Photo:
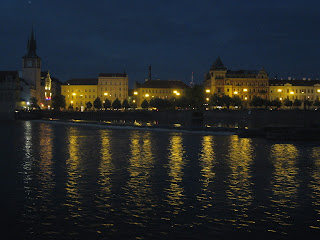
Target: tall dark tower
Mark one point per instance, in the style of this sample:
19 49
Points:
31 67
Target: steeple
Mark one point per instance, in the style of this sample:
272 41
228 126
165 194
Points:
217 64
32 46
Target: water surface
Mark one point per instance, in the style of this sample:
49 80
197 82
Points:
91 182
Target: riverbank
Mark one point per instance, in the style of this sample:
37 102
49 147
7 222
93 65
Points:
215 118
147 126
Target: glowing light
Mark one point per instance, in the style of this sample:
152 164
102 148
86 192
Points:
245 98
291 92
71 101
147 95
28 103
175 92
236 92
279 90
207 90
73 94
178 93
245 90
106 94
134 101
207 99
318 90
135 93
281 99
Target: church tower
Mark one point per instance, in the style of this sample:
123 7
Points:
31 67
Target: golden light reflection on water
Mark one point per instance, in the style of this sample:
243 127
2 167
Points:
141 162
315 185
176 165
239 192
207 162
28 157
73 174
46 154
284 183
106 167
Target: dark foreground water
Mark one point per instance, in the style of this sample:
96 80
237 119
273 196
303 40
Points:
86 182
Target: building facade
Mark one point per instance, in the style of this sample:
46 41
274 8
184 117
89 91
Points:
79 91
242 83
113 86
9 94
109 86
164 89
294 89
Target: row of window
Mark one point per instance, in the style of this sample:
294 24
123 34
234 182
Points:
249 84
115 95
80 90
115 89
160 91
115 83
258 90
296 91
295 97
81 96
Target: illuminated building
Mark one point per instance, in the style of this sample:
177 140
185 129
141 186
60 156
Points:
112 86
79 91
33 82
242 83
294 89
107 86
164 89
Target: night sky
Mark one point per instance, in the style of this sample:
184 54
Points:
78 38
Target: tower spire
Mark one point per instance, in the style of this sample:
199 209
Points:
32 45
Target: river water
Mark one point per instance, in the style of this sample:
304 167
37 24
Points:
90 182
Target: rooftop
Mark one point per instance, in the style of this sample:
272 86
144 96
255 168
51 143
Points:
113 75
298 82
217 64
163 84
82 81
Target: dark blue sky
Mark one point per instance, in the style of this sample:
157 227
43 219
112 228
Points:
78 38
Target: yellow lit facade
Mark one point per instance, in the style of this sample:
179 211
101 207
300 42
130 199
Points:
242 83
164 89
78 92
112 86
294 89
107 86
